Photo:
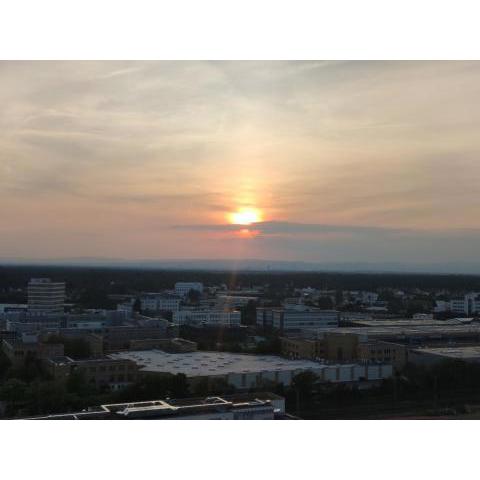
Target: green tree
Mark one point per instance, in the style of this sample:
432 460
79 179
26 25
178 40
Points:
14 391
194 296
303 384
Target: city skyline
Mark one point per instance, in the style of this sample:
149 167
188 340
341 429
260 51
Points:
372 162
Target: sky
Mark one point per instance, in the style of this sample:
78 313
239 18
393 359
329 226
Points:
334 161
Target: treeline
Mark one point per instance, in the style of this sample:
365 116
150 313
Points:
99 282
449 387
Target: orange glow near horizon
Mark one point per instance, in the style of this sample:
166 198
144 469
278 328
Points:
247 233
245 216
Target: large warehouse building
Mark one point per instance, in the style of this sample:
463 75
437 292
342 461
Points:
248 371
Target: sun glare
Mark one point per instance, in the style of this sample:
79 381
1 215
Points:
245 216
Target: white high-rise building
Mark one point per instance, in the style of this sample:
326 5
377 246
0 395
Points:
45 297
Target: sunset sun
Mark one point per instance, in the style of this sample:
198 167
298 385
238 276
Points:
245 216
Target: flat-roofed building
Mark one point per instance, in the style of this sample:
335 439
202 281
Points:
234 301
18 350
112 373
183 288
297 348
173 345
247 371
210 317
155 302
433 355
255 406
303 319
387 352
45 296
412 334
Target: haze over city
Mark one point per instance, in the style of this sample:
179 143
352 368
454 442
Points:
373 162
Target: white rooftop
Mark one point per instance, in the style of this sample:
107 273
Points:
212 363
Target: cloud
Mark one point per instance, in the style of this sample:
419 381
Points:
359 158
274 228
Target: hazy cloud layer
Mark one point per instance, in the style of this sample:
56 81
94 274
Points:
364 161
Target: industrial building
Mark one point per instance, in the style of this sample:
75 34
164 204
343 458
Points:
247 371
433 355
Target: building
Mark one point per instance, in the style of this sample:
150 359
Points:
385 352
264 317
93 340
303 319
210 317
105 372
45 296
247 371
12 307
433 355
337 347
340 347
172 345
257 406
413 334
156 302
183 288
126 308
469 304
362 297
302 348
234 301
19 350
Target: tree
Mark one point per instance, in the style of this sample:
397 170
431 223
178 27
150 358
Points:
5 364
137 305
249 313
303 385
13 392
325 303
194 296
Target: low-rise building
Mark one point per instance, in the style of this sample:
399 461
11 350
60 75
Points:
433 355
183 288
386 352
112 373
172 345
234 301
300 348
211 317
158 302
257 406
299 319
247 371
19 350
